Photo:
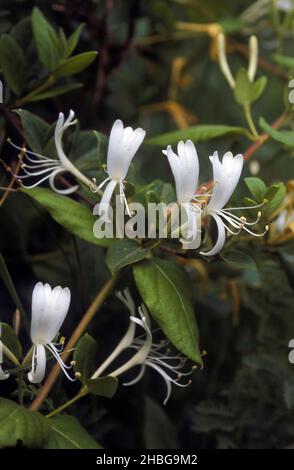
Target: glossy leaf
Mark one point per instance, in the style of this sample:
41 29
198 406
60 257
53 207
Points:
56 91
13 64
275 196
166 290
18 424
242 91
123 253
257 187
85 357
75 64
103 386
67 433
34 128
73 39
10 340
46 40
201 133
72 215
284 137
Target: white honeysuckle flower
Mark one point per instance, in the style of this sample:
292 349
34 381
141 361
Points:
44 168
185 169
126 298
49 309
226 175
147 353
157 357
123 145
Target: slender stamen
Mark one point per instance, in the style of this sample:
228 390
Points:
63 366
124 199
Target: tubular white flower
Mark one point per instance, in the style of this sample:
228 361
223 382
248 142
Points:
185 169
226 175
147 353
49 309
127 339
45 168
122 147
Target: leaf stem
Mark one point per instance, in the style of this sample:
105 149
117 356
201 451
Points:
80 329
25 99
248 115
83 392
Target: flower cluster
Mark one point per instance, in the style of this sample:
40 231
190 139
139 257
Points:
123 145
49 309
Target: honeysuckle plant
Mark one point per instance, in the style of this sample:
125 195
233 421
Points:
222 234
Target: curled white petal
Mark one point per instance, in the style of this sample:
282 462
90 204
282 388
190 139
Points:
221 237
37 373
104 206
66 191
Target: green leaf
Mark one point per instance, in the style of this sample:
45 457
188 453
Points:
13 64
35 129
275 196
123 253
20 424
67 433
46 40
242 90
284 137
73 39
239 260
75 64
85 356
201 133
166 290
56 91
257 187
10 340
247 92
257 88
165 191
72 215
103 386
155 192
284 61
88 149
